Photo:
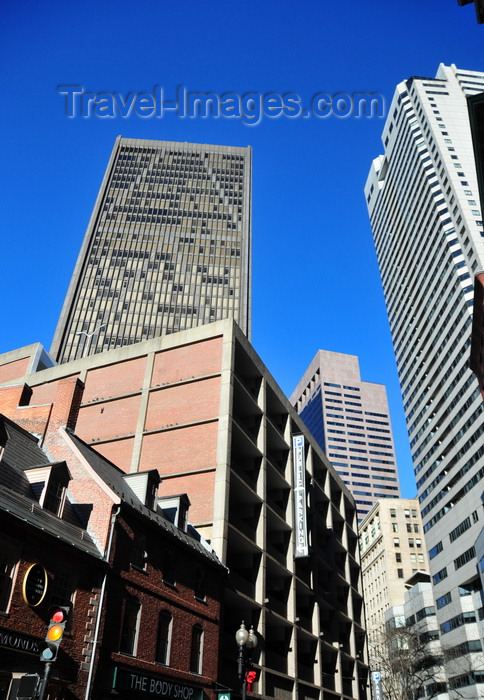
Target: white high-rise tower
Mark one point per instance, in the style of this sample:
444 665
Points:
423 202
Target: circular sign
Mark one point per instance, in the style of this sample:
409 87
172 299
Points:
34 585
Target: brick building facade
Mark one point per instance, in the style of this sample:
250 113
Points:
145 592
201 409
44 544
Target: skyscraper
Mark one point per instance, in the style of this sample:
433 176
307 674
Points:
167 248
351 421
427 226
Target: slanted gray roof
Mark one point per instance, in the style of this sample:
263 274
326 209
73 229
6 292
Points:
21 452
114 478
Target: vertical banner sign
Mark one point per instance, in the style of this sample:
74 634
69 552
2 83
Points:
376 681
300 516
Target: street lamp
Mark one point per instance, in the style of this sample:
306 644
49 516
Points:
87 342
246 641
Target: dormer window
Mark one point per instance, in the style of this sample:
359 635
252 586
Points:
49 485
152 494
145 486
55 496
175 509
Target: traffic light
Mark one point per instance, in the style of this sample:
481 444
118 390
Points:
58 615
250 679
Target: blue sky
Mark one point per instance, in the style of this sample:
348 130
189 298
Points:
315 277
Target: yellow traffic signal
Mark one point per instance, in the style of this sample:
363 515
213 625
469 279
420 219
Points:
58 615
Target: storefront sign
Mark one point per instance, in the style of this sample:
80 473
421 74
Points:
300 515
153 686
20 642
34 585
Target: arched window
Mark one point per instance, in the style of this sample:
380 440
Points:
164 638
196 649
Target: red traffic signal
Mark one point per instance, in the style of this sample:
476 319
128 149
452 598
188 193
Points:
250 679
58 615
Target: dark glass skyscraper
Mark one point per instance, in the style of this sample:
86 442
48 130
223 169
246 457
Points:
167 248
350 419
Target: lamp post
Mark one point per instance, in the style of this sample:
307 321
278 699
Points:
87 342
246 641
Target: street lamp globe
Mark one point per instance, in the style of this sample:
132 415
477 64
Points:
252 639
242 636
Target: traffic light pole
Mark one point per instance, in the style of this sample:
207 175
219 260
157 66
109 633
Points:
45 680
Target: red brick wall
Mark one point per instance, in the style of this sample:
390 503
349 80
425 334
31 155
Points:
109 419
170 451
82 489
115 380
188 361
181 450
155 596
12 370
44 393
200 489
118 452
13 396
34 419
60 411
39 548
184 403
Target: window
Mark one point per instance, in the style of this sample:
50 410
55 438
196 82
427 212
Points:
196 649
9 556
400 573
138 552
169 568
129 629
424 612
398 557
393 512
395 527
200 588
64 588
396 542
410 542
440 575
164 638
464 558
55 496
443 600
